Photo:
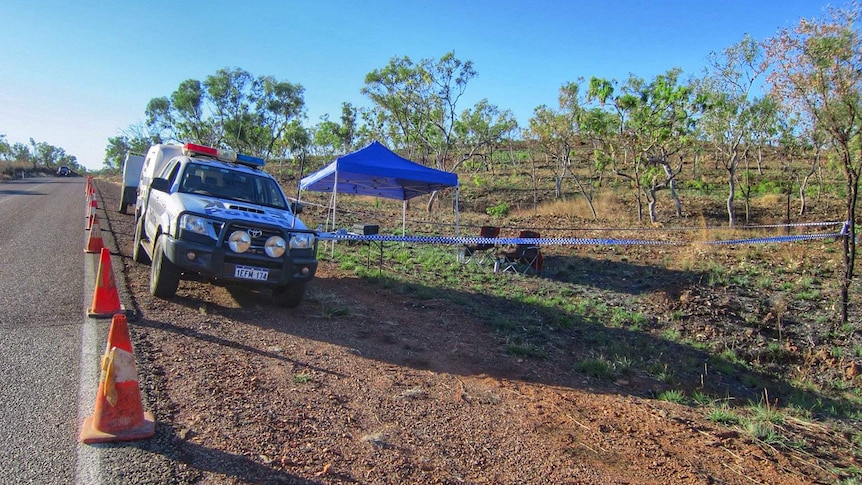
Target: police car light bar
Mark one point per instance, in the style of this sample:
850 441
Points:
190 149
249 160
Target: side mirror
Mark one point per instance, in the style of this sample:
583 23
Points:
296 207
160 184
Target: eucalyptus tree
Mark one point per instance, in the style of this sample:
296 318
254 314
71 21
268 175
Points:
817 70
136 138
766 116
656 123
728 120
421 101
480 130
348 131
295 143
5 148
230 109
555 135
49 155
331 137
401 92
20 152
558 134
277 104
326 137
416 108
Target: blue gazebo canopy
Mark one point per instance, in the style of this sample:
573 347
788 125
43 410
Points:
377 171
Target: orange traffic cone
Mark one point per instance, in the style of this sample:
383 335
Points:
106 300
92 205
89 185
94 239
119 413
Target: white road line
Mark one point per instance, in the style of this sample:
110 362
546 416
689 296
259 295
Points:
88 468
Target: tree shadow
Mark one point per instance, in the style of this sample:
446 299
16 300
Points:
617 276
509 339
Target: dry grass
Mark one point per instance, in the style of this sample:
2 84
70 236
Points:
10 170
609 207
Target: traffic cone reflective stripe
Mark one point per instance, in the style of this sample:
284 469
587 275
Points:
119 412
95 243
106 299
92 205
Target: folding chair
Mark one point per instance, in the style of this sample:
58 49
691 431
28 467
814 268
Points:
525 259
480 253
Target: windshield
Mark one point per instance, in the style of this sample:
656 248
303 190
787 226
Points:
231 184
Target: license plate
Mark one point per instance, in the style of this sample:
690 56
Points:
251 273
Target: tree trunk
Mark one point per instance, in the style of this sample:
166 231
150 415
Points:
652 204
430 207
586 197
672 186
731 186
804 185
760 159
849 239
789 192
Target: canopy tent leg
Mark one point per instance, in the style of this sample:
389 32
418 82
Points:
457 214
334 209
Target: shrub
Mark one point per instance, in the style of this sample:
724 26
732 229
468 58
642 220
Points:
499 210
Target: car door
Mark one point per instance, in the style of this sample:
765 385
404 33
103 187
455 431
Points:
158 201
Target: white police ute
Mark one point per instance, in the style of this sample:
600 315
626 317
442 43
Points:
216 215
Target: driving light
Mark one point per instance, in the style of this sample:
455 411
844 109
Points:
275 246
239 241
302 240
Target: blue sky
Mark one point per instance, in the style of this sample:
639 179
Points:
74 73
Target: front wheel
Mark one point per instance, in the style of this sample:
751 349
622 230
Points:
164 274
289 296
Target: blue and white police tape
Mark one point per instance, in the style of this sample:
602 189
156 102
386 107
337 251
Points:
343 235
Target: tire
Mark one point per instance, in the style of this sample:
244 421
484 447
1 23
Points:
138 253
289 296
123 204
164 275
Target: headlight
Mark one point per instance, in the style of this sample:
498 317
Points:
197 225
239 241
302 240
275 246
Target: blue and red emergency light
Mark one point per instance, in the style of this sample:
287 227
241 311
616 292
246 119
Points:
191 149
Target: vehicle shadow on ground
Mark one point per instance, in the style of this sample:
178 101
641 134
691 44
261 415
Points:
209 337
201 459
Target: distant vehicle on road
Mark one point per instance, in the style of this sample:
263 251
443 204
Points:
64 171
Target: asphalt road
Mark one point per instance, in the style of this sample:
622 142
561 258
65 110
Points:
41 276
50 349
